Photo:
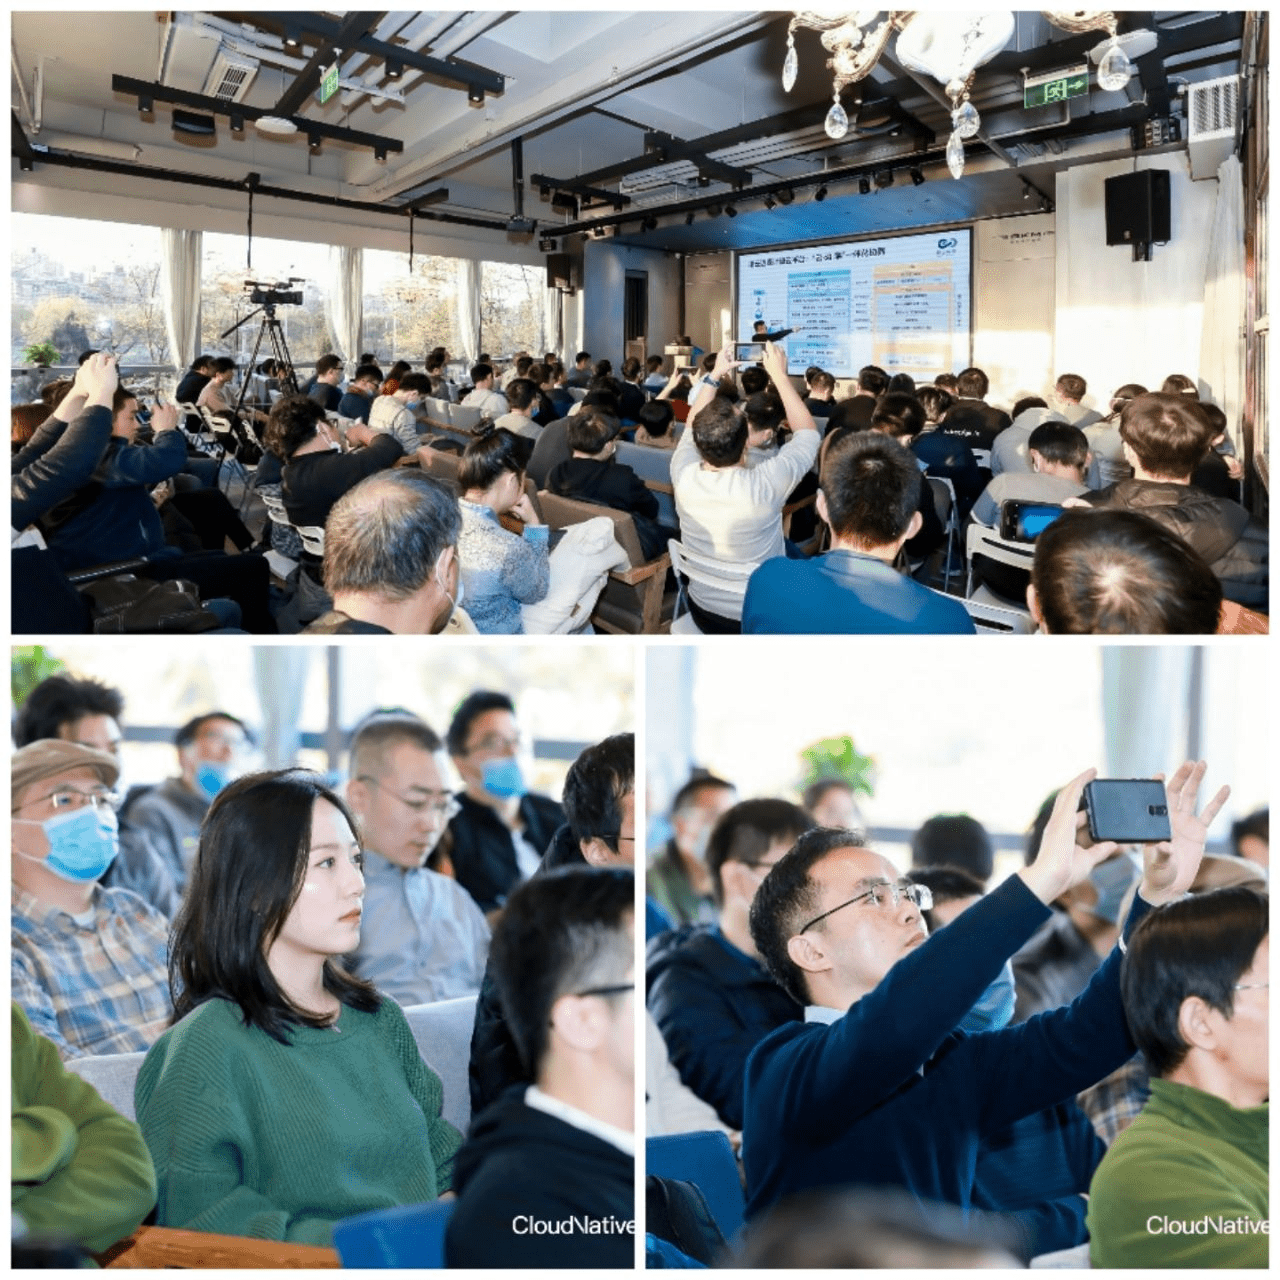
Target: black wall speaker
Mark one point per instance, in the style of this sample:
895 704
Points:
559 271
1138 208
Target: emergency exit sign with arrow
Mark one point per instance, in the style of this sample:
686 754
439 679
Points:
1055 86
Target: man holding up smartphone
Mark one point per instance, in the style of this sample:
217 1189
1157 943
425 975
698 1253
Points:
876 1086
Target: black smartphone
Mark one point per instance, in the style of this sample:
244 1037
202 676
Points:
1026 521
1129 810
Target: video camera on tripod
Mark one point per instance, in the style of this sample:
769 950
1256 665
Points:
277 294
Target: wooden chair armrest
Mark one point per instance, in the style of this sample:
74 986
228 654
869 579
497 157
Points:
435 423
800 504
642 572
660 486
159 1247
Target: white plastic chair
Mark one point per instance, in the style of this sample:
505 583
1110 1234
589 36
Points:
707 571
984 541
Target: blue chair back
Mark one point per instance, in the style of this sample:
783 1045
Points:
408 1236
705 1159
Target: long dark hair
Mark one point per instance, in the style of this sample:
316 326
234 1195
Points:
255 843
490 455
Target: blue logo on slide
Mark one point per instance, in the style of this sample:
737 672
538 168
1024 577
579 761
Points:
948 242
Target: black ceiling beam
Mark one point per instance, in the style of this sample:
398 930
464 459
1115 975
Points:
307 81
670 148
64 160
21 145
216 106
438 196
466 75
580 188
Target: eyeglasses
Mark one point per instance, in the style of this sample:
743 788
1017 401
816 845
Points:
68 799
761 865
620 989
445 809
1251 986
880 893
496 742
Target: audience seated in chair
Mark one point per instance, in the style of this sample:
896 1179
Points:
81 1171
1117 572
391 558
654 428
1194 985
492 404
323 388
953 840
87 712
552 445
288 1094
564 1145
971 418
522 396
1058 458
678 879
393 412
87 963
870 497
357 400
423 939
706 988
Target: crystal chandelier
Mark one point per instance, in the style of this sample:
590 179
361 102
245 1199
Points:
946 45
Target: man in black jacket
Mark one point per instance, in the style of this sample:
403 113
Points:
707 990
599 804
971 418
502 829
546 1177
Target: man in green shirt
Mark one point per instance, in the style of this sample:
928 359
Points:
1186 1184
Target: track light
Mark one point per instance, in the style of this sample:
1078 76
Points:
821 194
786 195
313 143
770 203
547 245
292 37
395 68
648 223
917 177
884 178
26 164
864 186
237 123
380 155
146 105
730 211
714 210
475 95
689 217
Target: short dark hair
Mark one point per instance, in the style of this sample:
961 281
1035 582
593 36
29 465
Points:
1196 946
398 370
653 363
699 780
898 414
589 432
385 534
1114 572
1072 386
1060 443
821 381
560 933
367 373
719 432
191 730
872 378
479 372
1256 824
935 401
872 488
489 456
1027 402
60 700
201 361
901 384
948 382
521 392
470 709
845 416
381 729
753 379
121 397
947 884
745 832
248 872
972 384
763 412
327 364
1178 384
814 792
594 786
632 368
223 364
954 840
523 365
581 356
414 382
368 357
292 423
656 416
1124 394
786 896
606 401
1169 433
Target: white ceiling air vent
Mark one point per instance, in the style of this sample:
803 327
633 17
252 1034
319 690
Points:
230 76
1213 116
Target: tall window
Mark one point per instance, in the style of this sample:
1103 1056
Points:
406 315
77 284
511 308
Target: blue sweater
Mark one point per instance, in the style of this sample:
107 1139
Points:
891 1094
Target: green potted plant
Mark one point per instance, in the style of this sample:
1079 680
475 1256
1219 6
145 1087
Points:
40 354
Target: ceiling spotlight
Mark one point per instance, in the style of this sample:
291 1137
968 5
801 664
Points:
292 37
475 95
395 68
730 211
786 195
714 210
26 164
884 178
917 177
896 131
648 223
864 186
380 155
146 105
547 245
770 202
821 194
313 143
703 180
689 217
237 123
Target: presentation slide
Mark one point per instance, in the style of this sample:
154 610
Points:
901 302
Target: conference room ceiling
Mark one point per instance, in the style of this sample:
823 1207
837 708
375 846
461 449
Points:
612 97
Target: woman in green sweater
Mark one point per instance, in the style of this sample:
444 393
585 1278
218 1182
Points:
288 1094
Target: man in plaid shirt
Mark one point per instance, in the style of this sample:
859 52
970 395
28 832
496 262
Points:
89 965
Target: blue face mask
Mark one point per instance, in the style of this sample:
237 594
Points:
211 778
503 778
994 1008
1112 880
82 844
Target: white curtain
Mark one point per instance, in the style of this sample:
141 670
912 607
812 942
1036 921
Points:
345 304
551 327
180 292
280 675
469 308
1222 339
1146 691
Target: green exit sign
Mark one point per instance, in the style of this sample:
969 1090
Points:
1056 86
329 83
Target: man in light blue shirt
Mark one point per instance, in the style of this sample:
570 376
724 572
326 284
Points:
424 938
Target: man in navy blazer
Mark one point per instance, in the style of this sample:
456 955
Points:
870 496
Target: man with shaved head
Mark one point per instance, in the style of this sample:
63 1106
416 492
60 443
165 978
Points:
424 939
877 1086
